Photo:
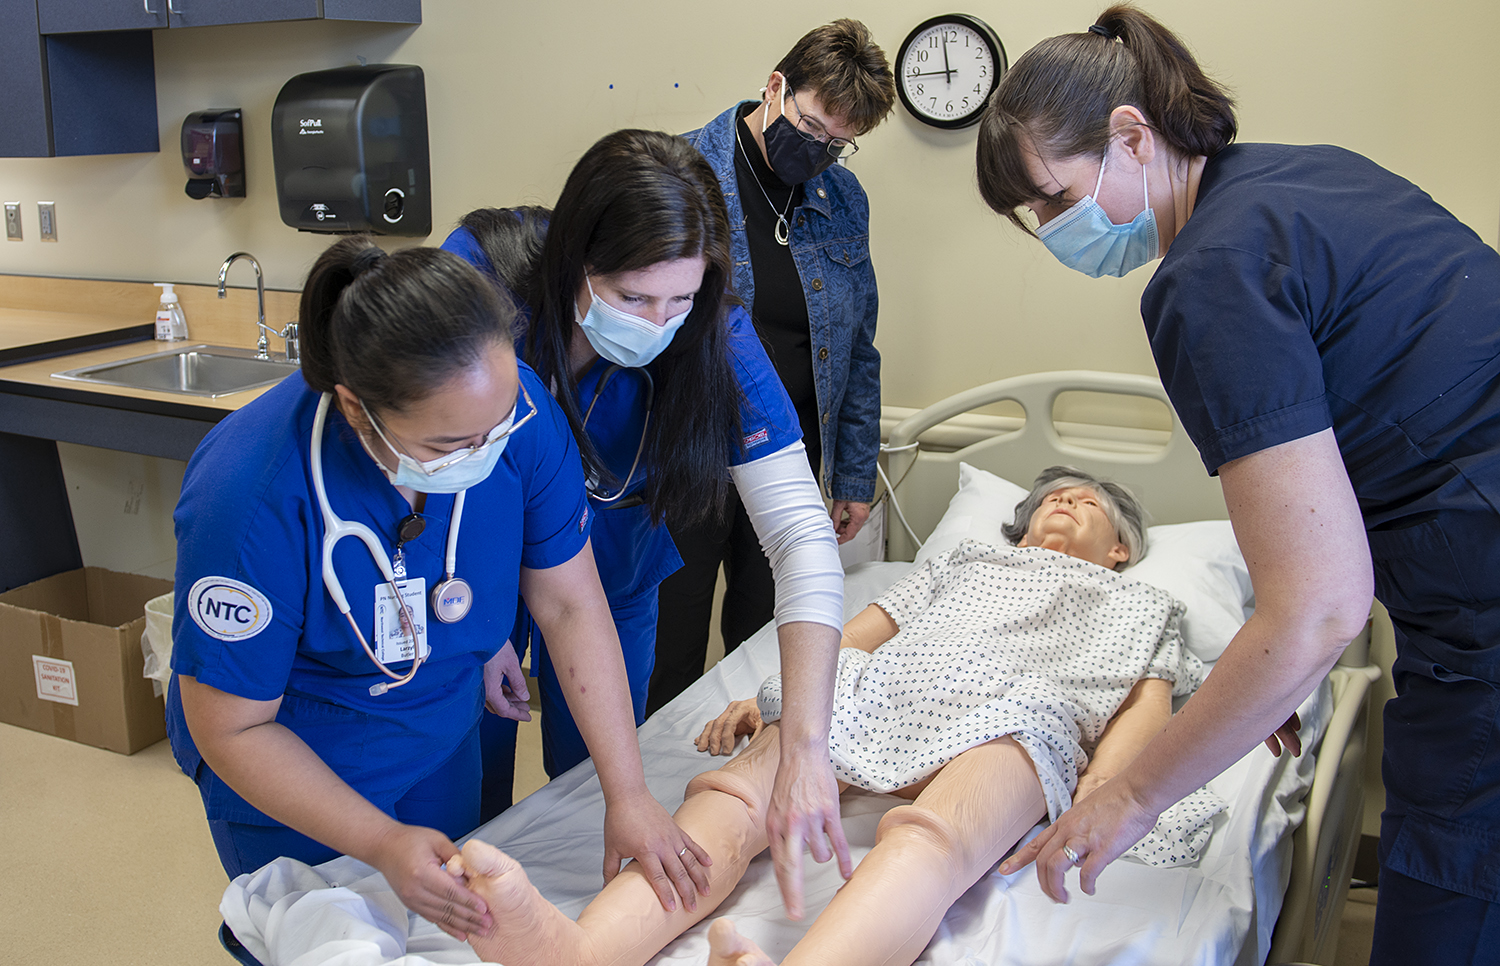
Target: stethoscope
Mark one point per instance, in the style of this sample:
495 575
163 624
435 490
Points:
451 598
596 494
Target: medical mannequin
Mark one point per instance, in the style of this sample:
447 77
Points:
1330 337
964 814
326 692
627 315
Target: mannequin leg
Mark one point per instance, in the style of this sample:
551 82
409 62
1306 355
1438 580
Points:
626 925
926 855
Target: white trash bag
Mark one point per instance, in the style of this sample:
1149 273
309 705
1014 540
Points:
156 642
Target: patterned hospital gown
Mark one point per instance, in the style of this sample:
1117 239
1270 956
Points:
997 641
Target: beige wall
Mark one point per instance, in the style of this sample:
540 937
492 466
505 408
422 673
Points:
517 90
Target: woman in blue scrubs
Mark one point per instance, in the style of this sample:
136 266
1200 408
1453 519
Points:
627 315
451 476
1330 337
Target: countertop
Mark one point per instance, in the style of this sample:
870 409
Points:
52 325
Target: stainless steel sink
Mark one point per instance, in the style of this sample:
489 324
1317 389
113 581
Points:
195 370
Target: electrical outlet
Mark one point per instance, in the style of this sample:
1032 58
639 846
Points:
13 220
46 214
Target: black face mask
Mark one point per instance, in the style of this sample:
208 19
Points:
793 157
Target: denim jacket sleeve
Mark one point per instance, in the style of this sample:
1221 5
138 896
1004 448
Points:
839 279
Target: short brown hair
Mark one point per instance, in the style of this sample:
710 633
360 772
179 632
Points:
1057 100
848 71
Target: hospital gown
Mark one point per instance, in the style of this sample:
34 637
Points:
998 641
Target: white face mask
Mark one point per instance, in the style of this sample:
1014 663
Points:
624 339
451 472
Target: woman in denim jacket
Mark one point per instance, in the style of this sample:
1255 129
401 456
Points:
800 229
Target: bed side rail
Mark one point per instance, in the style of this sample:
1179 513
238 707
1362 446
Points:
1324 846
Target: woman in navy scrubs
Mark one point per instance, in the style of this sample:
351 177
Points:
414 434
624 292
1330 337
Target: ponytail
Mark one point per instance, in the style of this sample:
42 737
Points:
394 328
1058 97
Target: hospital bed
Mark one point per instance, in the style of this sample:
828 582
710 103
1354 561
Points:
1269 887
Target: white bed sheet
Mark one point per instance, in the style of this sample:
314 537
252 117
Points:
1220 911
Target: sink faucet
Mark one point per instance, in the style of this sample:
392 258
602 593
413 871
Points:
262 345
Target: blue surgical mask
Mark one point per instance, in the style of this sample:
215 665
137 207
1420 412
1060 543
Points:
446 474
624 339
1084 239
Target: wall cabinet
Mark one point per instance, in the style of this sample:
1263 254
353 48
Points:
80 75
80 16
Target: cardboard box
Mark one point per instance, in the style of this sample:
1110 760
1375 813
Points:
71 662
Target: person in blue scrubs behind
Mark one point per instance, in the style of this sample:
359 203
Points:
1330 337
628 315
411 418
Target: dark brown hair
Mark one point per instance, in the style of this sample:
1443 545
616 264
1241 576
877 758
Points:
1057 99
841 63
635 199
394 328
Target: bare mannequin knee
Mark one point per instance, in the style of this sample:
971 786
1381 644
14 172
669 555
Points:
727 782
923 828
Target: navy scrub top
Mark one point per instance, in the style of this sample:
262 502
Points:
1313 289
632 554
249 534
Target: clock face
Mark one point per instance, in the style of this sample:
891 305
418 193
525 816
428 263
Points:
949 65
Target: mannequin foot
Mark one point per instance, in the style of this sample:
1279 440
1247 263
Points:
528 930
726 947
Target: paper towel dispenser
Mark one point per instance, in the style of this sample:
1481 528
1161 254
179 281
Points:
350 148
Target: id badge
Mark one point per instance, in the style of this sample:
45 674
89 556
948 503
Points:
392 644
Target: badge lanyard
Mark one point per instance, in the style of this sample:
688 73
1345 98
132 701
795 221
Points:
598 495
451 597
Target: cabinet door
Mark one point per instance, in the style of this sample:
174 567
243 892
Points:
204 13
23 109
83 16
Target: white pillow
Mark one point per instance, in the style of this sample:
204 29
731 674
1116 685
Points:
1198 563
983 504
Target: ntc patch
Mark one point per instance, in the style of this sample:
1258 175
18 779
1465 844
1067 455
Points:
228 609
755 439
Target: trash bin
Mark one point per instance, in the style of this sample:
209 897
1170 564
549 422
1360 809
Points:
156 642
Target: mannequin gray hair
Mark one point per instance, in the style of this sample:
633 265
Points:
1122 509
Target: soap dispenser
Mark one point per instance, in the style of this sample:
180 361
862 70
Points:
171 325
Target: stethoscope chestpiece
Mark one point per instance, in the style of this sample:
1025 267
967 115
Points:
451 599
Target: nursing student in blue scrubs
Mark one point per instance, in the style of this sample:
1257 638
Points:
449 475
628 318
1330 337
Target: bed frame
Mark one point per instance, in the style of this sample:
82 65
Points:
1164 470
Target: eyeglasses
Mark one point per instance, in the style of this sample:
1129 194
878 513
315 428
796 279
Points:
813 130
459 455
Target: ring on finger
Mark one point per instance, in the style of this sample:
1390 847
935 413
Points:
682 852
1073 857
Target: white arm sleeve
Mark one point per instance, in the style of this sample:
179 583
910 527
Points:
785 507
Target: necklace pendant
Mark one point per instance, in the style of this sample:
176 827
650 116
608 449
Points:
783 231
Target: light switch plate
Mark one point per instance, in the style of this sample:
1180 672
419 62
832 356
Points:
46 214
13 220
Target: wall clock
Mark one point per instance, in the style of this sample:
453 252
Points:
949 66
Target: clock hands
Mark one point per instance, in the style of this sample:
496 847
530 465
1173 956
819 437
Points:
947 70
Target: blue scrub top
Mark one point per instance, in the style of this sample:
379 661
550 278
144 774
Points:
249 515
633 555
